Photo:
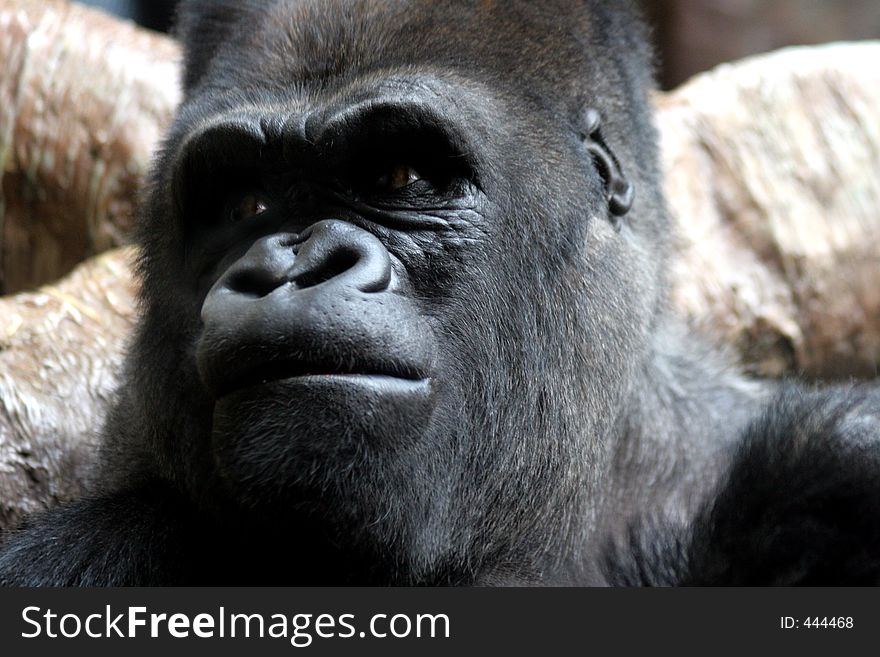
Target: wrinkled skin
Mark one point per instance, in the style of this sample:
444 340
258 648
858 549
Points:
405 323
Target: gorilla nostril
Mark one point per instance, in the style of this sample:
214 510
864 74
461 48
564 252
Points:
338 262
254 283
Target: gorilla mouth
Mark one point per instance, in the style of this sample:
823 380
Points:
289 369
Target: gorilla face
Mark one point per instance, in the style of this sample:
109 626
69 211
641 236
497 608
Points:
382 281
311 342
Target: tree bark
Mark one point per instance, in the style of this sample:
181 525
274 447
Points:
60 354
83 100
773 177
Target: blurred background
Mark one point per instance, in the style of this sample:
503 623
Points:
691 35
695 35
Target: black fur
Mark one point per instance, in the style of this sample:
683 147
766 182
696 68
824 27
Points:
798 507
548 422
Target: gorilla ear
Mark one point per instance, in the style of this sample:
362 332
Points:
619 191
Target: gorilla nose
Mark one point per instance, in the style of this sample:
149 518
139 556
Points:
314 304
339 251
330 251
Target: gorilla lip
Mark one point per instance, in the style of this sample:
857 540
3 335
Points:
298 370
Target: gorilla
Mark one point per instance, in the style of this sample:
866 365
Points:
405 322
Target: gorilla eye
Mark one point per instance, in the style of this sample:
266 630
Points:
397 177
247 206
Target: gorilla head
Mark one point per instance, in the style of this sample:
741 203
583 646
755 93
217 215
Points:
390 292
